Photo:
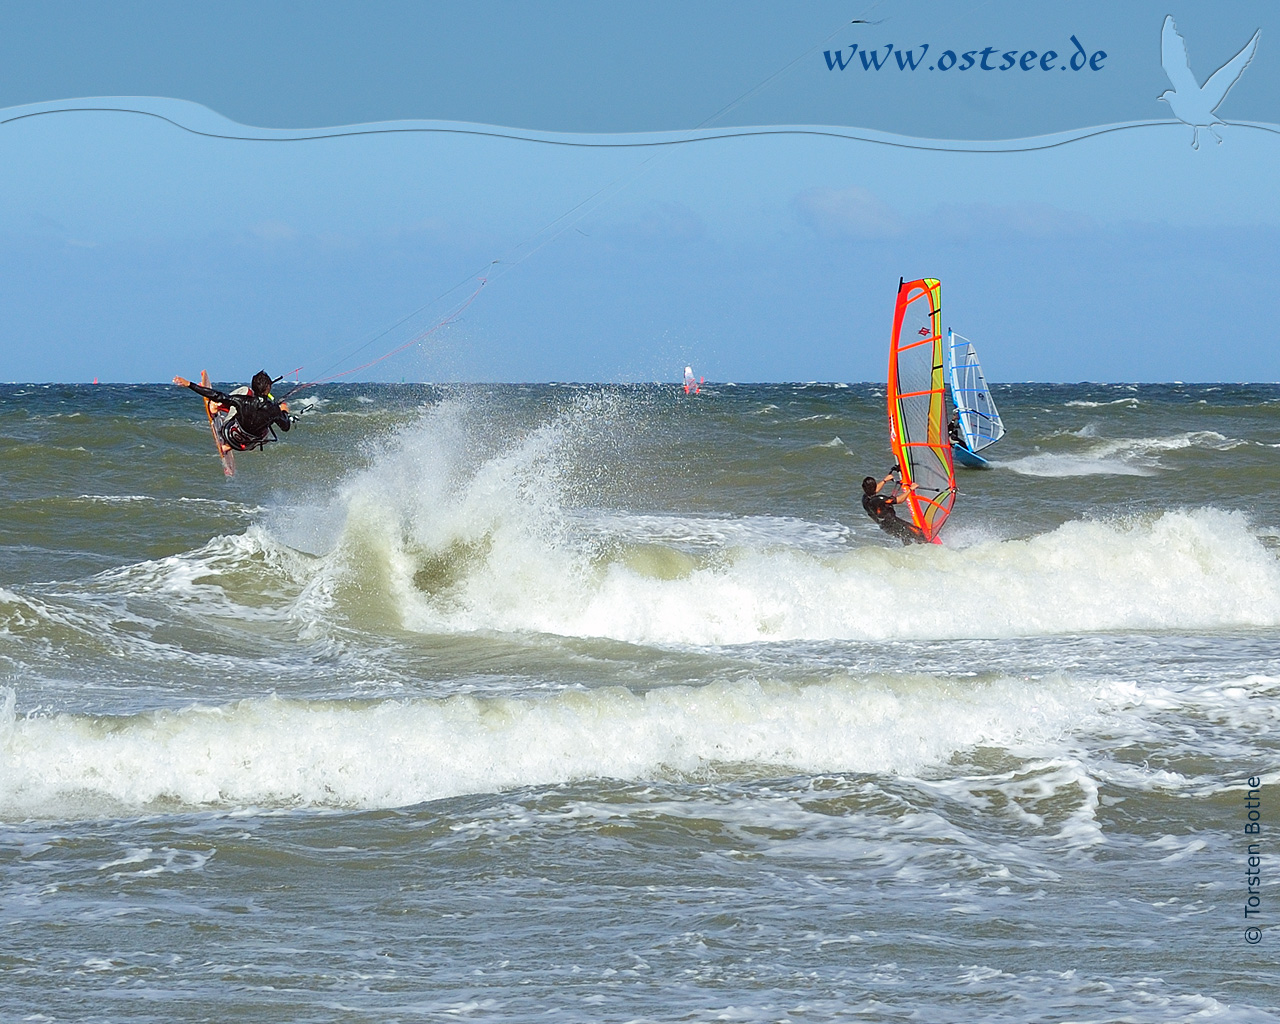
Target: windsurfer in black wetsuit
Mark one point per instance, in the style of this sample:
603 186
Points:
881 509
248 414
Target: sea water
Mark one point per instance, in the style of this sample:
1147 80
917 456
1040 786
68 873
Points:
608 703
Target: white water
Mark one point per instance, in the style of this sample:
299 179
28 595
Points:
446 533
272 752
1126 456
521 560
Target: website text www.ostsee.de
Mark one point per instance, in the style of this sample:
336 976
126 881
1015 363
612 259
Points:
989 58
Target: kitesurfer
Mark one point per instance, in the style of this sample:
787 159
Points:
247 414
881 509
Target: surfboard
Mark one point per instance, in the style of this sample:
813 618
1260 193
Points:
963 457
918 407
980 422
224 453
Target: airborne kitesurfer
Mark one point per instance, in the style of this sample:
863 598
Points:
881 509
247 415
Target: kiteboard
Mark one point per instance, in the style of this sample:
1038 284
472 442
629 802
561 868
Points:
979 419
211 410
918 407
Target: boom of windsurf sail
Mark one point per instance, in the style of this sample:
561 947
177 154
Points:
980 421
917 405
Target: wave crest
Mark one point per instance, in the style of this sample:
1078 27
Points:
269 752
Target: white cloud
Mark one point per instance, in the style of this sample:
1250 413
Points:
987 221
851 212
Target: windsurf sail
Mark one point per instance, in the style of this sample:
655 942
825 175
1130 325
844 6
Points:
917 405
980 422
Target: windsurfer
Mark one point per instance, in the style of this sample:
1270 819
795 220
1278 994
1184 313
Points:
247 415
882 512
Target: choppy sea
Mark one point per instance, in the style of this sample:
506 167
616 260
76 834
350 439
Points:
608 704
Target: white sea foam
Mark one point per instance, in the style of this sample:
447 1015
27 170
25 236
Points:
129 499
1086 404
1057 464
712 534
1125 456
450 531
1155 445
451 539
272 752
146 862
244 577
1058 796
1084 576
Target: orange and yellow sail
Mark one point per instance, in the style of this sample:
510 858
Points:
917 405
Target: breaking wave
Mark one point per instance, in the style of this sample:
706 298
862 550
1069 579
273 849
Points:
269 752
449 532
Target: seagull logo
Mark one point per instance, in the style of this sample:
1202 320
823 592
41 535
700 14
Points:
1191 102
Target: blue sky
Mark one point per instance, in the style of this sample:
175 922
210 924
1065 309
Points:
134 250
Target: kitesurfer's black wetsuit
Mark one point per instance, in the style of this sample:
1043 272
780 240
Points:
249 423
881 510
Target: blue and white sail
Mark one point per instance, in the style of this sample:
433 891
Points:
979 420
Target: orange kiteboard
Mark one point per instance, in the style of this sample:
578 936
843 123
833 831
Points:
212 409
